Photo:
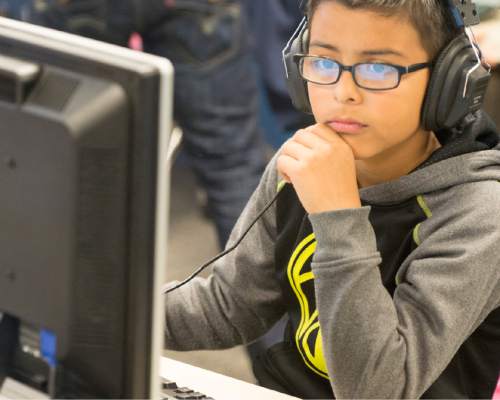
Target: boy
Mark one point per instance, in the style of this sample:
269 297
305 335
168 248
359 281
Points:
384 248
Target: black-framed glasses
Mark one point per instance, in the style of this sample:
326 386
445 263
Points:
372 76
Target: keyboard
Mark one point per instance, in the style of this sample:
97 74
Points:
210 384
171 391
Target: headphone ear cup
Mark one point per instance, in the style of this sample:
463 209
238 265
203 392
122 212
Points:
435 87
297 87
445 106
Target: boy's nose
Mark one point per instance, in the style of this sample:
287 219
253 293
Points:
346 91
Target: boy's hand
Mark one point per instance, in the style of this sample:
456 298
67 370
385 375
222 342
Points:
320 165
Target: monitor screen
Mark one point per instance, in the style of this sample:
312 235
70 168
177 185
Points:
84 130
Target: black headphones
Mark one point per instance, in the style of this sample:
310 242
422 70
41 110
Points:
458 81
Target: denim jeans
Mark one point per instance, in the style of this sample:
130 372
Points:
17 9
215 96
216 100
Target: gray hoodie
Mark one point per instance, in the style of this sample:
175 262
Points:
397 299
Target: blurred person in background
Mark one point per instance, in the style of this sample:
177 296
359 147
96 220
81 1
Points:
488 37
271 25
215 97
489 40
18 9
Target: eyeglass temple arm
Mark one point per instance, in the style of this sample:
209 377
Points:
286 49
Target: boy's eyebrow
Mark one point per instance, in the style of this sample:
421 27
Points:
374 52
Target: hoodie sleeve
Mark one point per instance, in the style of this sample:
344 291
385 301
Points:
242 297
378 346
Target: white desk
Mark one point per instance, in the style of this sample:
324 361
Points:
215 385
13 389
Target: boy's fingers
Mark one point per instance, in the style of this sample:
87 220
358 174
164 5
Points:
295 149
308 138
325 132
286 165
285 177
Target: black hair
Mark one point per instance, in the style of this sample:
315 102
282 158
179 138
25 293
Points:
429 17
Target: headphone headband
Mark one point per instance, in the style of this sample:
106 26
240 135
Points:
463 12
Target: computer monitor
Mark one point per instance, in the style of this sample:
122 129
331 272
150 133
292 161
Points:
84 130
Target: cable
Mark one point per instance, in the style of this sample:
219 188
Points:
227 251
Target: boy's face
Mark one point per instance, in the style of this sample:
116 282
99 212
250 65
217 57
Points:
391 118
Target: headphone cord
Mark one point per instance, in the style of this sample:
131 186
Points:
225 252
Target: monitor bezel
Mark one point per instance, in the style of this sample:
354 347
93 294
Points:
135 61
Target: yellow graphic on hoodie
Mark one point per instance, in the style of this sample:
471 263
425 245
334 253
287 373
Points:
308 334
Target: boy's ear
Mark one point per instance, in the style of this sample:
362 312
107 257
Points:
297 87
456 88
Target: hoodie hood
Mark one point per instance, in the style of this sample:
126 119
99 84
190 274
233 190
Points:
470 153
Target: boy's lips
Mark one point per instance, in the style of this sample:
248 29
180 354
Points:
346 125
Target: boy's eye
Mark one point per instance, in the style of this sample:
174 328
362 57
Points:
325 66
376 71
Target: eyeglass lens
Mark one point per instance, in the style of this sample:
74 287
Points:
369 75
